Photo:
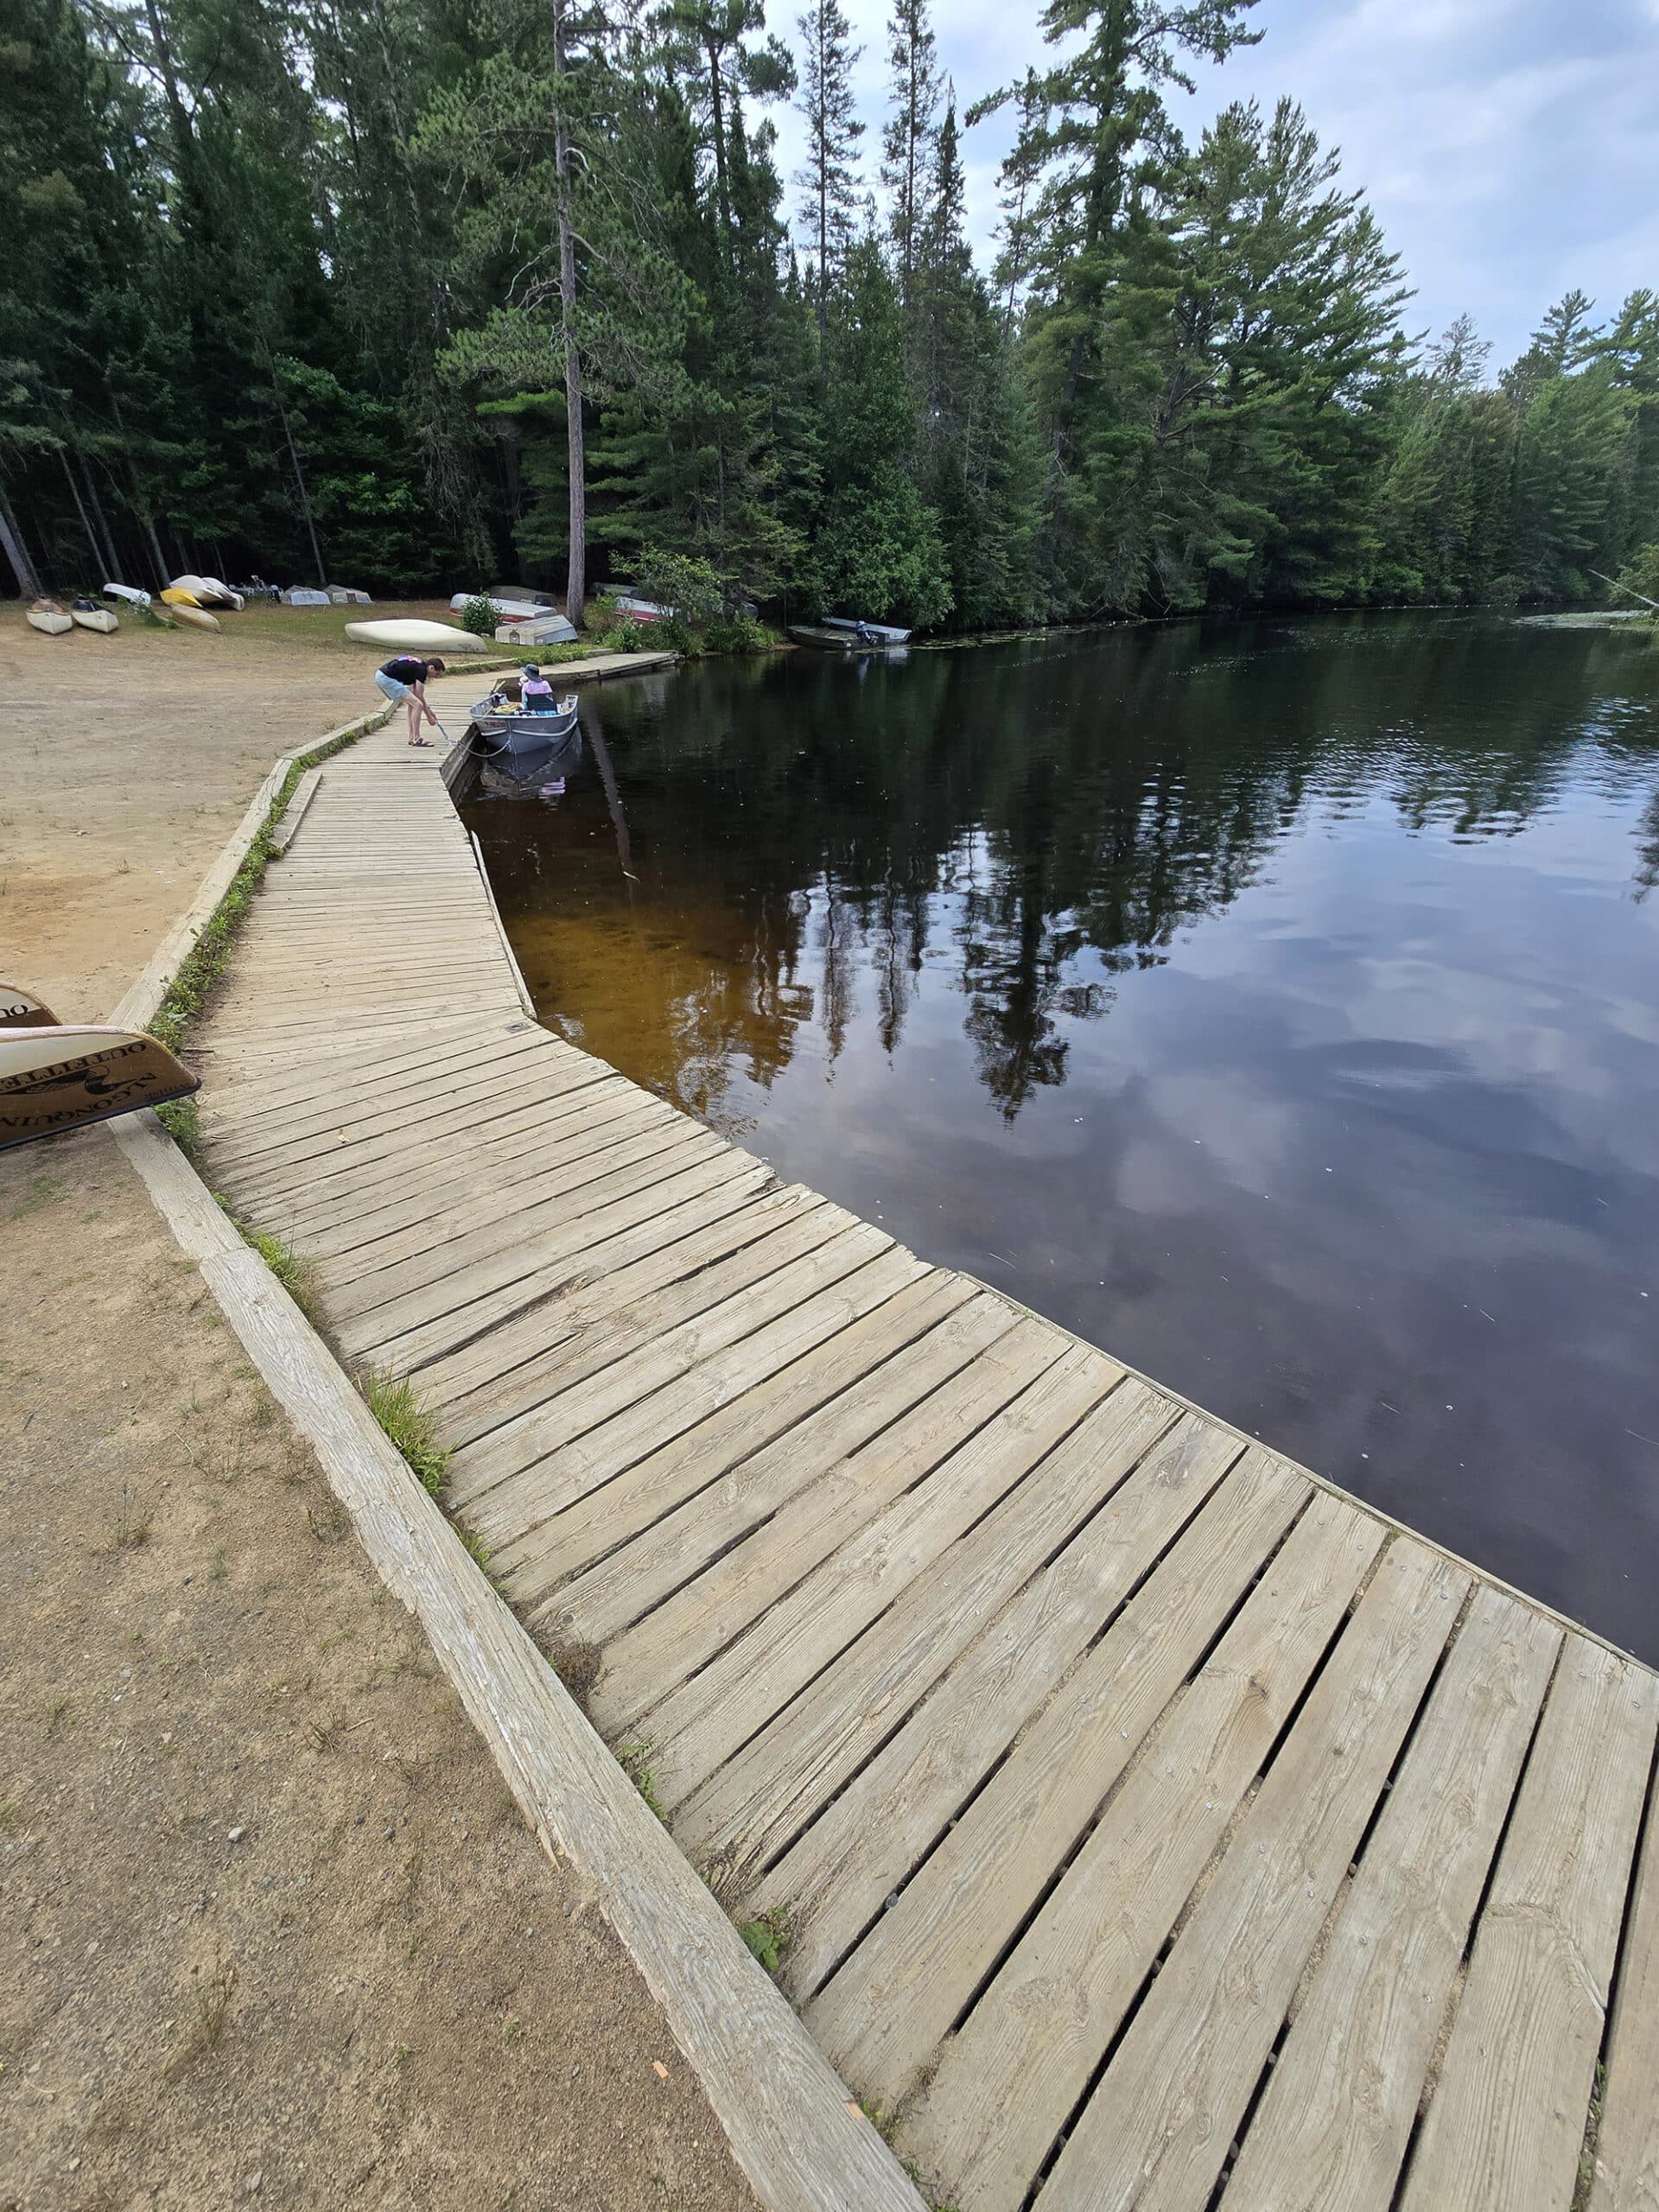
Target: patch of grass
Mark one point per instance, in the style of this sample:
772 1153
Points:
330 1731
178 1118
11 1817
289 1267
635 1761
327 1519
768 1937
410 1425
473 1544
130 1531
204 2029
576 1663
60 1716
41 1193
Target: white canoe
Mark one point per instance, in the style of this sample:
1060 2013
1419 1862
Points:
411 635
134 597
95 618
208 591
47 616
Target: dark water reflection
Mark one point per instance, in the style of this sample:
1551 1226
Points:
1277 1006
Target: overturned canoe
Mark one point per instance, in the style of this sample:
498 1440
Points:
21 1009
59 1078
411 635
183 608
129 592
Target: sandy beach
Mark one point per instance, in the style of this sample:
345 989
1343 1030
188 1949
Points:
271 1929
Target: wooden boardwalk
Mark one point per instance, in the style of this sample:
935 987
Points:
1151 1824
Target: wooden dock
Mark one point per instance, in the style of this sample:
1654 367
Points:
1150 1824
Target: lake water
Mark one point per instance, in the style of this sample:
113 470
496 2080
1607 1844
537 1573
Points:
1277 1006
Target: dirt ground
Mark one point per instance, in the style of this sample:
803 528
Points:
125 762
271 1930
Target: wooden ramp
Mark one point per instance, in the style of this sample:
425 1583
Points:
1150 1824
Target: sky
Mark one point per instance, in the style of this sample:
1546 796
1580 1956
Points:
1509 148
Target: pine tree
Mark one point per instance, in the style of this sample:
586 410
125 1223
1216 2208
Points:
909 143
830 179
878 551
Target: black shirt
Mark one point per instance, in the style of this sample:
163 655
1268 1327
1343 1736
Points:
403 670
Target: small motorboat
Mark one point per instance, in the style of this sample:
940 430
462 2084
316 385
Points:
87 614
846 635
501 725
128 592
47 616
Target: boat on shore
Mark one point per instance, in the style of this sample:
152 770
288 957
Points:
410 634
87 614
185 607
130 592
500 724
837 634
49 618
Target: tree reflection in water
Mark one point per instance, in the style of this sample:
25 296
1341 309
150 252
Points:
1276 1006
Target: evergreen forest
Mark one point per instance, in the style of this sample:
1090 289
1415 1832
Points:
403 294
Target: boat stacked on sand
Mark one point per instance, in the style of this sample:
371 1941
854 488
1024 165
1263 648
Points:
526 617
203 591
87 614
409 634
49 618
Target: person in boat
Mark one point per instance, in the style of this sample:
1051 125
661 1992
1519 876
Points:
402 680
536 692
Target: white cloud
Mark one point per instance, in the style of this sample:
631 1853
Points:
1510 148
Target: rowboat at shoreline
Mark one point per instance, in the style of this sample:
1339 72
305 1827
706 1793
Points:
837 635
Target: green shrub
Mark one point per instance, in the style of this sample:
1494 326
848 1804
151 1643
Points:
480 615
739 633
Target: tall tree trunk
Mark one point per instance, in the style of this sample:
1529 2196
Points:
81 507
11 543
575 590
184 138
299 475
722 189
102 521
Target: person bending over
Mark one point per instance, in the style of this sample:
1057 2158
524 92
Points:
402 680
